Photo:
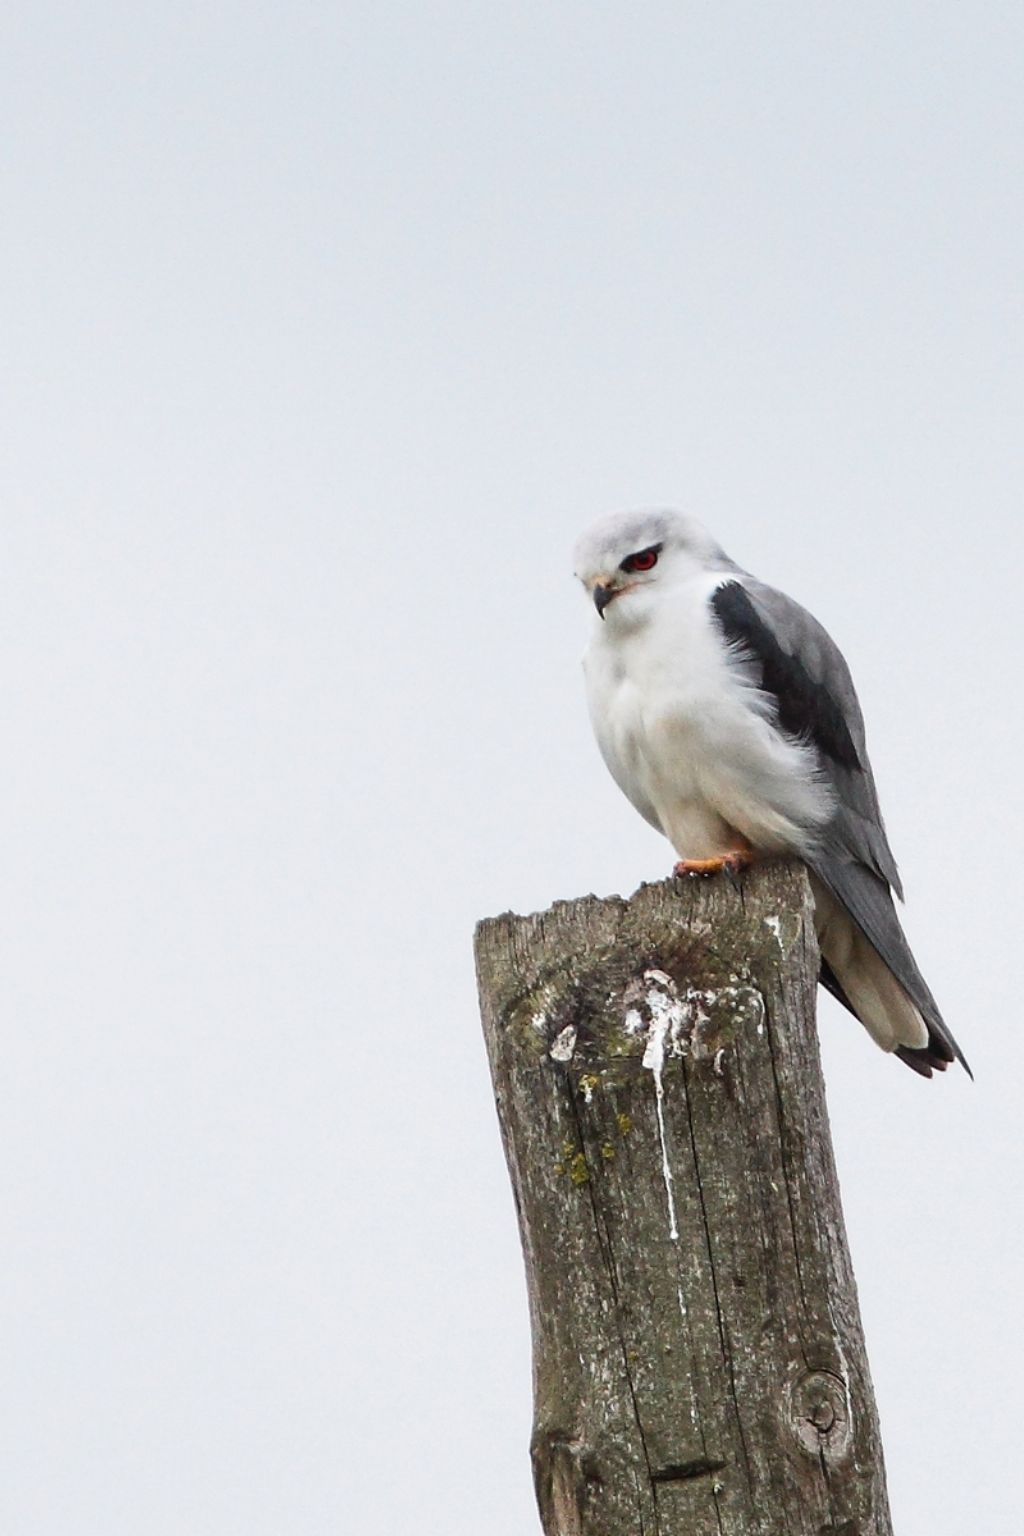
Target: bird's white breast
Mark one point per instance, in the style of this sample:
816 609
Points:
686 737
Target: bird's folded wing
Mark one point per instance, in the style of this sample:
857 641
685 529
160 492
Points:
800 666
803 670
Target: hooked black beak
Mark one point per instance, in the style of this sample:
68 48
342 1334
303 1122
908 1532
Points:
603 595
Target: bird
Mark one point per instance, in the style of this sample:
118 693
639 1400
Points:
727 715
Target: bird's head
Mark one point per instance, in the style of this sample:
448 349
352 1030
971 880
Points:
625 560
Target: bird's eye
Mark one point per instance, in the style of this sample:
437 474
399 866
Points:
645 560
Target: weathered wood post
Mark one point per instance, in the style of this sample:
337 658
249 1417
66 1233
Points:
699 1365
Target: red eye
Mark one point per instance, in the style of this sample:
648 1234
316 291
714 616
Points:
646 560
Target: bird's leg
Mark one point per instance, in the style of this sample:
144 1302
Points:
731 862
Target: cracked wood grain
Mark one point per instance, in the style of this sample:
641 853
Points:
699 1366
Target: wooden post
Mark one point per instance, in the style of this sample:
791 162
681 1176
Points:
699 1365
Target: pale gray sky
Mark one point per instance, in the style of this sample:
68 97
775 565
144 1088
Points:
325 330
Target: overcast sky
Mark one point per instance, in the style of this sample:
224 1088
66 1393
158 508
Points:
325 330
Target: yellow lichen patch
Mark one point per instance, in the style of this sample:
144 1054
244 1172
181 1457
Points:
588 1083
624 1123
607 1151
568 1146
578 1170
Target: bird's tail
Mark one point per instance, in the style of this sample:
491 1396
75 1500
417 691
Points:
867 964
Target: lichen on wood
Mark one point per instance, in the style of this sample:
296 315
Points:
699 1364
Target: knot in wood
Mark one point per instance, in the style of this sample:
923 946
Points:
820 1414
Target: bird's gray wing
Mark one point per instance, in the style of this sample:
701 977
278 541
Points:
799 666
802 669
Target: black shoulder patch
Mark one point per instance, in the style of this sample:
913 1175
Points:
805 707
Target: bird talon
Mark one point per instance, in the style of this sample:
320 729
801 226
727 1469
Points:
731 863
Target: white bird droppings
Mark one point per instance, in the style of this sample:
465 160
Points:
774 926
564 1044
633 1022
668 1016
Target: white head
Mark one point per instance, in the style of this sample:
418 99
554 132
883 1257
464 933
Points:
625 560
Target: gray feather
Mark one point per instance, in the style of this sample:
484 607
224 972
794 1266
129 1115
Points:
856 830
853 859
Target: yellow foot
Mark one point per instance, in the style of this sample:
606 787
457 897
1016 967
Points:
732 862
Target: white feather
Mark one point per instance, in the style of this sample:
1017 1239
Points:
686 736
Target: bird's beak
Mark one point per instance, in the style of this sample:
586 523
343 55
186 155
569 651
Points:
603 594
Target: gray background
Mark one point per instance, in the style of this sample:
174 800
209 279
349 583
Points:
326 329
